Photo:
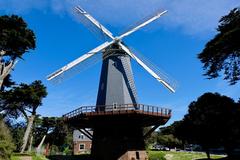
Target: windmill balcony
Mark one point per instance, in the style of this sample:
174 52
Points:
89 116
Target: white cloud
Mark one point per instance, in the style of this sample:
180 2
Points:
191 16
197 16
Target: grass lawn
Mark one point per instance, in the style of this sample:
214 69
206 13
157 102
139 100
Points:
153 155
168 155
34 157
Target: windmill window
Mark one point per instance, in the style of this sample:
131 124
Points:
115 64
114 105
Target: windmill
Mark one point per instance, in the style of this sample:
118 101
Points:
117 118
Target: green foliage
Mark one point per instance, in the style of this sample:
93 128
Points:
7 82
169 141
17 131
43 126
31 95
222 53
67 151
167 136
22 98
54 150
15 37
58 135
211 122
150 140
6 145
170 129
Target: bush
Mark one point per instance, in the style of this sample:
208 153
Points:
6 145
67 151
17 131
54 150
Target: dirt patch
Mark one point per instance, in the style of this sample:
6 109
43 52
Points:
168 156
25 157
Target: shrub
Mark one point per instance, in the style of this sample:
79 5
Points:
6 145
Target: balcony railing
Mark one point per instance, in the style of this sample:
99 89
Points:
119 108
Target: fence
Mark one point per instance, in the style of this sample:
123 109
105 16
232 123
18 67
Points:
118 108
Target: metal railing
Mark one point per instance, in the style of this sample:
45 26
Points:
118 108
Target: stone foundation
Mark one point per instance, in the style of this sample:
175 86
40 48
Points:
134 155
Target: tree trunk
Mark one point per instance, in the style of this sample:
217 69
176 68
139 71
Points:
1 81
30 144
208 154
40 144
5 69
47 150
27 132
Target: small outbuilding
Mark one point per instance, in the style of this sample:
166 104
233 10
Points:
81 143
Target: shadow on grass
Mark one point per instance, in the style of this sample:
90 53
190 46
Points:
69 157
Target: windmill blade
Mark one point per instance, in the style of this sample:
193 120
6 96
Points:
78 61
92 24
142 24
148 69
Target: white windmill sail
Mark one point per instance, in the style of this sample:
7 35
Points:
79 63
93 25
158 15
148 69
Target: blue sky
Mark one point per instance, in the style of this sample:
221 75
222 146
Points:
172 43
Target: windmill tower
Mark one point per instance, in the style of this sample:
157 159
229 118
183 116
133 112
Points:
117 119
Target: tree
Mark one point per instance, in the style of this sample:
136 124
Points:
53 132
42 129
169 140
17 130
222 53
7 82
59 134
15 40
6 145
151 139
21 100
166 136
210 122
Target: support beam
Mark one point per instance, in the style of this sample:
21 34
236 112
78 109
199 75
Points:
151 130
90 134
86 133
